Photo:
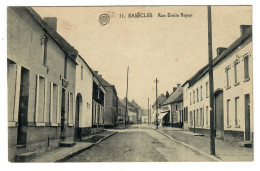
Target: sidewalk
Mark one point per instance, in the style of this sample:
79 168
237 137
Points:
225 151
63 153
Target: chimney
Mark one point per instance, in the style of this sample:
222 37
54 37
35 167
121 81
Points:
100 76
178 85
96 72
52 21
244 28
220 50
167 94
174 89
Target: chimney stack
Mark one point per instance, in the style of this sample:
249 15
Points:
220 50
174 89
178 85
52 21
244 28
167 94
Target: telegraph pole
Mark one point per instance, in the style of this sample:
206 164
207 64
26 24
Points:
126 111
156 81
211 86
148 111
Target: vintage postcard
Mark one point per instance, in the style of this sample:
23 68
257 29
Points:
130 84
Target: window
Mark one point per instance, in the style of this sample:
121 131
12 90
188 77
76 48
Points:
207 116
40 99
246 69
191 119
197 117
228 107
197 94
81 72
227 77
207 89
194 118
186 114
236 106
176 107
200 92
235 73
54 103
193 96
201 118
44 41
190 99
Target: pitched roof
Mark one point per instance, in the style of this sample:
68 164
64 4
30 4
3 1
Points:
135 104
160 100
129 104
175 97
64 45
247 35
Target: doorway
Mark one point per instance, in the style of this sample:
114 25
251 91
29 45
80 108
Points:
219 123
77 132
23 107
247 118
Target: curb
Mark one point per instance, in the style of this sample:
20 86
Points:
81 150
190 147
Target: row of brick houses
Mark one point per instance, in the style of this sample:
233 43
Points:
54 97
188 107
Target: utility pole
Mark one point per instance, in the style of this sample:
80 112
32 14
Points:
126 111
156 81
148 111
211 86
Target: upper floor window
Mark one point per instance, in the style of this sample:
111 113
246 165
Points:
197 94
246 68
190 99
207 89
44 41
81 72
235 73
200 92
227 77
193 96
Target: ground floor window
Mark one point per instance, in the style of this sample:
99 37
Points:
191 119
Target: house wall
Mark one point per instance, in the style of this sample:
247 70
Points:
24 50
84 87
244 87
176 109
110 108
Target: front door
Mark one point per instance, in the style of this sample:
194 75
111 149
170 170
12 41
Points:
247 117
77 131
219 115
23 107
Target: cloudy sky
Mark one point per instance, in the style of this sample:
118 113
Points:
169 48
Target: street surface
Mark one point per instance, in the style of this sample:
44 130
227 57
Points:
138 143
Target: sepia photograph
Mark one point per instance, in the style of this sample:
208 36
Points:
150 83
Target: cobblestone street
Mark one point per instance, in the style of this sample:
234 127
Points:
138 143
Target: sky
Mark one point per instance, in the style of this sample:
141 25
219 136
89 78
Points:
171 49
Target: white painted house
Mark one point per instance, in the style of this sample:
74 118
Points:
85 81
233 92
